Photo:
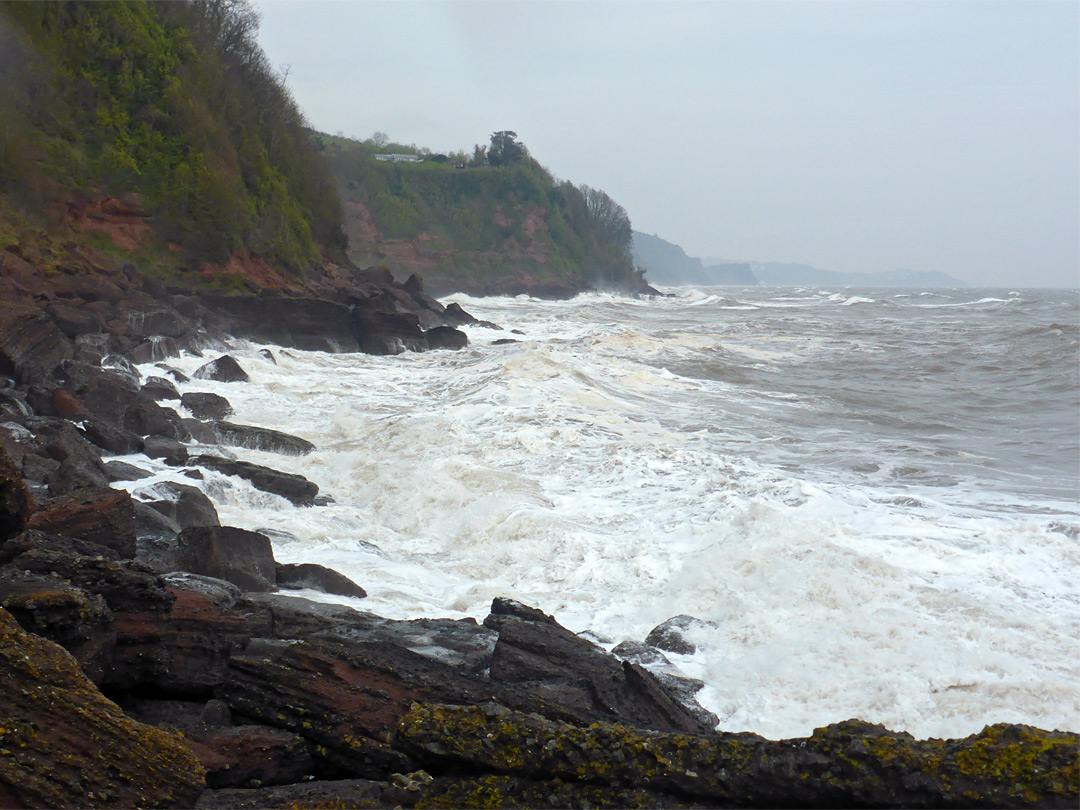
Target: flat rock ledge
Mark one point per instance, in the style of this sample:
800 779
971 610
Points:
849 764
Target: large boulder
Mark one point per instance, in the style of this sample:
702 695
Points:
292 487
101 516
31 347
159 388
454 315
112 395
236 555
204 405
317 577
223 369
672 635
74 322
446 337
52 608
78 462
66 745
186 505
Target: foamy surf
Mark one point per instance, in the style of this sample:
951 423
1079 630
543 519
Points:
626 462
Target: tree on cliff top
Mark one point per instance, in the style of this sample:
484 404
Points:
505 149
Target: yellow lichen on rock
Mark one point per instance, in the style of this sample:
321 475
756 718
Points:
63 744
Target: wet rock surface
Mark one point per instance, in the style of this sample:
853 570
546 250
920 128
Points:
846 764
223 369
260 438
206 405
318 577
295 488
285 701
62 744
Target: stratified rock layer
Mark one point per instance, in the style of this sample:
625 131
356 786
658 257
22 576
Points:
62 744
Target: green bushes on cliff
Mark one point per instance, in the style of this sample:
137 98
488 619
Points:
175 101
498 214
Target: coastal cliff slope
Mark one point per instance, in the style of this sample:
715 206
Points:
154 205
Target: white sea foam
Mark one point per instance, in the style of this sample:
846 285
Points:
613 468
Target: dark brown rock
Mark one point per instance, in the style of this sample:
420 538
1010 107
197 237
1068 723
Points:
251 756
55 609
159 388
206 406
156 322
199 431
259 438
671 634
303 323
198 636
292 487
31 347
65 745
542 650
144 417
186 505
317 577
122 471
15 501
79 462
454 315
850 764
153 350
351 793
384 333
101 516
223 369
74 322
170 451
235 555
111 438
446 337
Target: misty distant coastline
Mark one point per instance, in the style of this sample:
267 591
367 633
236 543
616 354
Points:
668 264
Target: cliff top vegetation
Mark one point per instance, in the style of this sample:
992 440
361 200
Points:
176 102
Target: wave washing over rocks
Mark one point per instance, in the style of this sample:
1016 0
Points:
153 656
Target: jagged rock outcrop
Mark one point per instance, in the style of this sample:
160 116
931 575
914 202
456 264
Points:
384 333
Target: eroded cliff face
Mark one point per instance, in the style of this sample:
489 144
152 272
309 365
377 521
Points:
526 261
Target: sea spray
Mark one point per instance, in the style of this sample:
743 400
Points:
870 504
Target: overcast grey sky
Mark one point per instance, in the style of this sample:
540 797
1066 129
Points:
851 136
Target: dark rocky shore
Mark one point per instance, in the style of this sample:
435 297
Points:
154 658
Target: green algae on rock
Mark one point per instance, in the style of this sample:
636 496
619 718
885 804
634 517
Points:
846 764
63 744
